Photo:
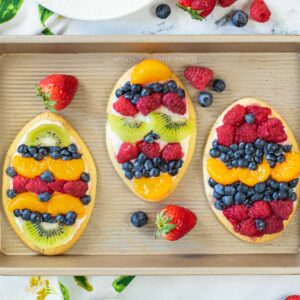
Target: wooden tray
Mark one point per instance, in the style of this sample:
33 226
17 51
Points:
265 67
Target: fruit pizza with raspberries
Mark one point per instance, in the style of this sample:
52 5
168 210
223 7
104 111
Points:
251 167
151 130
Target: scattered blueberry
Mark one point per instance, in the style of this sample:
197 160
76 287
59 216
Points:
55 155
129 95
142 157
146 173
249 118
158 87
85 177
127 166
163 11
54 149
11 172
11 194
163 167
287 148
211 182
293 183
119 93
172 86
17 213
151 137
72 148
260 187
180 92
44 197
85 199
43 151
218 85
229 190
173 172
22 149
205 99
47 176
139 219
219 205
136 88
219 189
239 18
239 198
135 99
129 175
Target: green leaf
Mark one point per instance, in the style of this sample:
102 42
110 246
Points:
122 282
195 14
64 291
47 31
82 281
44 14
9 9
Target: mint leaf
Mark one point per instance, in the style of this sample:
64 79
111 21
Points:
64 291
122 282
195 14
47 31
9 9
44 14
82 281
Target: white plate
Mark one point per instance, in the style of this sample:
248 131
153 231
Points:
94 9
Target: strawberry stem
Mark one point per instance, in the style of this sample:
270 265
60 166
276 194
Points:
195 14
163 224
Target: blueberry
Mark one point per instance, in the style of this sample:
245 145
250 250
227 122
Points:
283 186
287 148
149 138
158 87
154 172
260 187
267 198
275 196
72 148
163 167
157 161
11 172
272 163
249 118
172 165
173 172
270 157
228 200
55 155
119 93
148 164
172 86
239 18
26 214
243 163
43 151
271 148
47 176
230 154
252 166
146 173
66 152
32 150
217 195
22 148
26 155
44 197
127 86
166 88
238 154
162 11
135 99
251 192
139 219
274 184
218 85
248 202
11 194
85 177
76 155
242 188
138 166
178 163
233 147
54 149
219 205
46 217
294 196
224 157
71 217
211 182
136 88
137 174
260 224
257 196
35 217
219 189
145 92
280 159
127 166
215 144
180 92
142 157
17 213
242 145
282 194
37 157
128 95
239 198
293 183
205 99
85 199
66 157
228 165
258 159
249 149
60 218
129 175
229 190
234 163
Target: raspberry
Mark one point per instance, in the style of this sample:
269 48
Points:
150 150
19 183
272 131
274 224
174 103
199 77
172 152
146 104
127 152
76 188
235 116
125 107
225 135
236 212
282 209
259 11
260 210
248 228
37 185
226 3
57 186
261 114
246 133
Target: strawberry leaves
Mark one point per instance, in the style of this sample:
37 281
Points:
9 9
195 14
163 224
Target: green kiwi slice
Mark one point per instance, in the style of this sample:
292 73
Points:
48 135
47 235
171 130
129 130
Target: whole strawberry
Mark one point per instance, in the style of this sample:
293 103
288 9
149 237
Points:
259 11
57 91
173 222
198 9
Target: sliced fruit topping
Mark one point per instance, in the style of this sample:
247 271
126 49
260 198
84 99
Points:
171 130
235 116
225 134
172 151
174 103
127 152
29 167
272 131
199 77
125 107
151 150
129 130
28 201
149 103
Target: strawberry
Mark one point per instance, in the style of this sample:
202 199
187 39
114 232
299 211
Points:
173 222
226 3
198 9
259 11
57 91
293 297
199 77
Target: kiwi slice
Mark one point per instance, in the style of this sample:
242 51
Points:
171 130
47 235
129 130
48 135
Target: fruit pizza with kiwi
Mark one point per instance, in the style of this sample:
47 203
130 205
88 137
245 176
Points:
151 130
49 184
251 167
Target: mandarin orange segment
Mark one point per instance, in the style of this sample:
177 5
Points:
66 169
149 70
289 169
29 167
155 188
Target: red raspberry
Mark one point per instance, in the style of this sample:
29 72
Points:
172 151
248 228
260 113
293 297
259 11
236 212
146 104
205 6
282 209
150 150
226 3
260 210
185 2
76 188
225 135
19 183
274 224
174 103
125 107
127 152
37 185
272 131
199 77
57 186
235 116
246 133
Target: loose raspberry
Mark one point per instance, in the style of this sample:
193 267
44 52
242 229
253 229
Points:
172 151
236 212
274 224
282 209
19 183
37 185
261 114
146 104
199 77
260 210
272 131
235 116
226 3
125 107
248 228
57 186
150 150
259 11
225 135
246 133
76 188
127 152
174 103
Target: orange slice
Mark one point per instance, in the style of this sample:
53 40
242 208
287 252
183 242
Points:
29 167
